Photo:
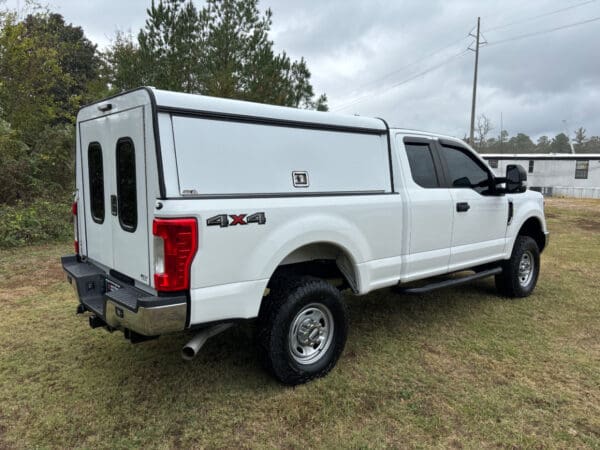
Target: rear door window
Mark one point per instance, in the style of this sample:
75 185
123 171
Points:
96 181
422 166
126 184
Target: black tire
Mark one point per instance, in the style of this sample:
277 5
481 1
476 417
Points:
513 283
293 299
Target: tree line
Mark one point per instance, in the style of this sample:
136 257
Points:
522 143
49 69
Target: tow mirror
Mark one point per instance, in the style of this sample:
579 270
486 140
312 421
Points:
516 178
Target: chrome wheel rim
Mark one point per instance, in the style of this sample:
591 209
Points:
526 266
311 333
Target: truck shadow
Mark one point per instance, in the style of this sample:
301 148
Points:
229 362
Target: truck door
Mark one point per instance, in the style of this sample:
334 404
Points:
430 210
114 186
480 220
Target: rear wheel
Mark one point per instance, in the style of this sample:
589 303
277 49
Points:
520 273
302 329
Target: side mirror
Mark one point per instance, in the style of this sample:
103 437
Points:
516 178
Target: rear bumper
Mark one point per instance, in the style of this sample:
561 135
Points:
546 238
123 306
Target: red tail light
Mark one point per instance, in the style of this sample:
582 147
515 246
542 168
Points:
75 228
175 245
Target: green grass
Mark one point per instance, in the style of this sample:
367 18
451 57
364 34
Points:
456 368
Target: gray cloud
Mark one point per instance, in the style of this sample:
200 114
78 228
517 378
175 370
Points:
358 51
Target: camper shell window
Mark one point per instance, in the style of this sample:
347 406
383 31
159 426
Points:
126 184
96 181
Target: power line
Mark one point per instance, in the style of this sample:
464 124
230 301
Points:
550 13
360 98
400 83
550 30
410 64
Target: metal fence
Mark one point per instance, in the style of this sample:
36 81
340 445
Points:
568 191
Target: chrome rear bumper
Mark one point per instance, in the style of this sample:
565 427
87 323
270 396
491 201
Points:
148 321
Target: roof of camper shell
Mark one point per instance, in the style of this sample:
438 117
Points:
176 101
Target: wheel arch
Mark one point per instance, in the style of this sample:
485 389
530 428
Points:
323 258
533 228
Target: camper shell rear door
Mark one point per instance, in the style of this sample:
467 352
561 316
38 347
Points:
113 190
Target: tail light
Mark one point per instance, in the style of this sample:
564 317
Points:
75 227
175 245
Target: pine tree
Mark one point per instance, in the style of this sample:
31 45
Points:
221 50
580 139
560 144
170 46
543 144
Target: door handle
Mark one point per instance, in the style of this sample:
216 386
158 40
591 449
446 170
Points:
462 207
113 205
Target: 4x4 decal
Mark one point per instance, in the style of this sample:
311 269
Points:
226 220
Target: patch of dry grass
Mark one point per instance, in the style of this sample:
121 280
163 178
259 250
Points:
454 368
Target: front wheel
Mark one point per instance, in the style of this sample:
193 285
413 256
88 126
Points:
520 273
302 329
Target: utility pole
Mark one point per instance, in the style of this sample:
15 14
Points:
472 135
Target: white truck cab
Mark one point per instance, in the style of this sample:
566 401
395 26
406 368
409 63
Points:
194 212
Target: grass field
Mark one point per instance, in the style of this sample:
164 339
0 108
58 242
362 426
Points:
457 368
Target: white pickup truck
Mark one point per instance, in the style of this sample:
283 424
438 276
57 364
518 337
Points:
194 212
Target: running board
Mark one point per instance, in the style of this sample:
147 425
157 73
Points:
449 283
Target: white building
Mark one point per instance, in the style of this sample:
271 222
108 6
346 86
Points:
554 174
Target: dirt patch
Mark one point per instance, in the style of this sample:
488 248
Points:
14 294
45 272
589 224
579 204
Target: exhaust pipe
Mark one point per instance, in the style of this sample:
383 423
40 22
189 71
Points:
191 349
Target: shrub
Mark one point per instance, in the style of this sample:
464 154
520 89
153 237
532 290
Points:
53 160
39 221
16 182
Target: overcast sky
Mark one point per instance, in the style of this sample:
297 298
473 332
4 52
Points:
397 59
